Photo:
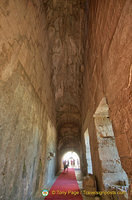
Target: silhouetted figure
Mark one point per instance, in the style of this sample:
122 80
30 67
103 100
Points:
65 164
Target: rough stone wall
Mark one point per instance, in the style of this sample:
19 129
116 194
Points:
65 27
27 113
108 73
111 166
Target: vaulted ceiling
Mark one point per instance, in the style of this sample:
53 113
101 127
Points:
65 29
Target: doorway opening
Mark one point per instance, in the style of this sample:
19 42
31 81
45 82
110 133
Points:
112 171
72 158
88 153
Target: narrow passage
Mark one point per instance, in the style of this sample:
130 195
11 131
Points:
65 187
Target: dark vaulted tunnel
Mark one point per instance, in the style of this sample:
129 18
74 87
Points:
65 86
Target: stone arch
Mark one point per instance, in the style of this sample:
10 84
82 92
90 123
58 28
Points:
70 155
61 152
112 171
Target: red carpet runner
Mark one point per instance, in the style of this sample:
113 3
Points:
65 187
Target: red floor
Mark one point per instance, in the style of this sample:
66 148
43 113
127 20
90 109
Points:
65 187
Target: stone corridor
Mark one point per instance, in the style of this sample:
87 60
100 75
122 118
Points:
65 85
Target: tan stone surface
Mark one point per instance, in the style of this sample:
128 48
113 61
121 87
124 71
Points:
27 112
108 54
65 23
58 60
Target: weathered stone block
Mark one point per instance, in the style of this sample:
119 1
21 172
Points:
89 183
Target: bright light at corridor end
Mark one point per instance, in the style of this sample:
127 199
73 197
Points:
73 158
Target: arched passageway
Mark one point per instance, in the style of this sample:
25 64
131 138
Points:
58 60
72 158
112 171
